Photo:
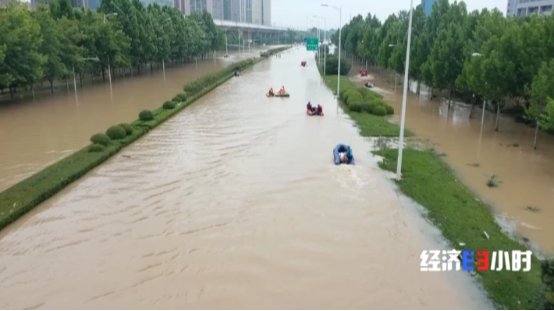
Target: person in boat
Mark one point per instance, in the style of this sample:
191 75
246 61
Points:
271 92
319 110
343 154
309 107
282 90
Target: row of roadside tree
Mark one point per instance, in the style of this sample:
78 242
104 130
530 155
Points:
476 56
50 42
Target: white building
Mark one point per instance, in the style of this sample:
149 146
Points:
529 7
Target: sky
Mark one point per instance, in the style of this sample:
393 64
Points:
299 14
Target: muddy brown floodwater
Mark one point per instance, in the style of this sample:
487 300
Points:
233 203
524 200
34 133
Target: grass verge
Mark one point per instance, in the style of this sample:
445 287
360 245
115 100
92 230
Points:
30 192
369 124
461 217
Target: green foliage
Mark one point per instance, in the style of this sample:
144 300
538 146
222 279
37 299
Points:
360 99
464 53
169 105
101 139
461 218
332 65
116 132
541 109
179 98
379 110
20 38
127 127
51 41
199 85
96 148
146 115
547 276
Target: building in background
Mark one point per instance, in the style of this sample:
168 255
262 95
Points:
428 6
243 11
529 7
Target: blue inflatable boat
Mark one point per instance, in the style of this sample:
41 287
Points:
341 148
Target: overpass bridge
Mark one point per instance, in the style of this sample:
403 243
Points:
247 31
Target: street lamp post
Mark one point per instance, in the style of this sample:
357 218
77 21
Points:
340 40
404 98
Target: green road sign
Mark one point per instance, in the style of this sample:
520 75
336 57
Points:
312 44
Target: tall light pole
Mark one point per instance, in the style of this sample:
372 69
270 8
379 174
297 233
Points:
404 97
340 39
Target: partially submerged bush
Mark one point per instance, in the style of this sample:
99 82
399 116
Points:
179 98
101 139
356 107
146 115
127 127
169 105
116 132
379 110
96 148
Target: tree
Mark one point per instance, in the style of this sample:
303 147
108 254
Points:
51 46
541 108
20 34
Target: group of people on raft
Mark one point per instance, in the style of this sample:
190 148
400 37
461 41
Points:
282 91
314 110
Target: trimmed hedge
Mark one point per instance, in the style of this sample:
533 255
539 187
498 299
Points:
204 83
359 99
179 98
146 115
128 128
272 52
101 139
116 132
96 148
169 105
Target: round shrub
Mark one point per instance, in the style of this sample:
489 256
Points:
146 115
101 139
354 97
356 107
351 92
127 127
96 148
179 98
379 110
116 132
169 105
343 92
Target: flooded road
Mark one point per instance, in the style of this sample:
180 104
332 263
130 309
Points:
524 200
34 133
233 203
